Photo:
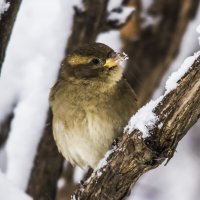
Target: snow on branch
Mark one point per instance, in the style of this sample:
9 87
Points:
145 119
120 15
9 191
117 15
3 7
150 138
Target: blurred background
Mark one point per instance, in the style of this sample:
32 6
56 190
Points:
157 35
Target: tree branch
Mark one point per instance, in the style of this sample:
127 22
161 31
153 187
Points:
7 20
134 154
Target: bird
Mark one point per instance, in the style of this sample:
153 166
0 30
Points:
91 103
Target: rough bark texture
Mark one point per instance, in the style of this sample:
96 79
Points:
152 52
7 20
135 155
48 162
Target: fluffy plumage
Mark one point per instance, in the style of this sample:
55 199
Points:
91 104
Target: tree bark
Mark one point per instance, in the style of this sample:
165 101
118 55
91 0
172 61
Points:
7 20
134 155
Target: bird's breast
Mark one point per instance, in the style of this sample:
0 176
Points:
84 139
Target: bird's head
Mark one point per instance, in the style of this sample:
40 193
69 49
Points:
93 61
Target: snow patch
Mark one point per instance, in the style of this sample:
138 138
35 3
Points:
112 4
121 15
198 31
110 38
79 174
73 197
145 119
27 76
172 82
61 183
146 4
3 7
103 161
147 19
8 191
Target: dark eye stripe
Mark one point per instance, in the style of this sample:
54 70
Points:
95 61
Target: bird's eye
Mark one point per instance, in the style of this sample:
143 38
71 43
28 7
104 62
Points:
95 61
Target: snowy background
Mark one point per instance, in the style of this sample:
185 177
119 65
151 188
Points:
30 69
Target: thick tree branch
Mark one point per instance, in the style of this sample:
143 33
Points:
134 155
7 20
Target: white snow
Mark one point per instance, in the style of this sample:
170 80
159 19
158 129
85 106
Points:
172 82
30 69
198 31
122 16
61 183
144 120
103 161
74 198
111 38
8 191
147 19
3 7
146 4
112 4
79 174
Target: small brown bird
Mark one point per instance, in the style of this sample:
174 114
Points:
91 103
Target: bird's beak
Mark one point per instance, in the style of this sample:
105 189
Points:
115 60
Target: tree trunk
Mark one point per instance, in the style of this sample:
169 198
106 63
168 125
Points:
7 20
